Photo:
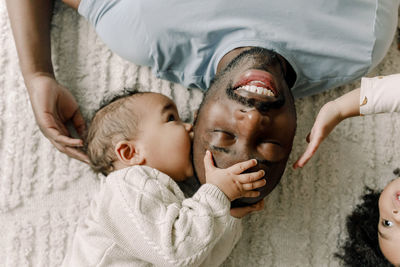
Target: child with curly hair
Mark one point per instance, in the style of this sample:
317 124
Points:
374 226
140 216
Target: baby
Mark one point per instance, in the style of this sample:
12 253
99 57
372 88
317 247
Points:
376 95
140 216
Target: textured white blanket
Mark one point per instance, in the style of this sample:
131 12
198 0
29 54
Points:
43 193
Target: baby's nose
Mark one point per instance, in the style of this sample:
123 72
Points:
396 215
188 127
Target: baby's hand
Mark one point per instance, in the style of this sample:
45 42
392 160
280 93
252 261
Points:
231 181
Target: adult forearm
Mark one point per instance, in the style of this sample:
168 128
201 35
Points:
52 104
30 23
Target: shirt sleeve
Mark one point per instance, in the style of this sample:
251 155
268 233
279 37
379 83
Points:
160 226
380 94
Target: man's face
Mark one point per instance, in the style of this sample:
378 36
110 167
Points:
248 113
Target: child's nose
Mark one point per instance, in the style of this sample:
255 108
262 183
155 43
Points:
396 215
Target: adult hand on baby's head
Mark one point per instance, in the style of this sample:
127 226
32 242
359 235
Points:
231 181
328 117
53 105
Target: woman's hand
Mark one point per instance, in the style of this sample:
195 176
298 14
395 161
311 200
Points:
53 106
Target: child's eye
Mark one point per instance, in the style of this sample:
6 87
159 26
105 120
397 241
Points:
171 117
387 223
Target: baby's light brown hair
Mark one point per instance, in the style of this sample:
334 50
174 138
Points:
116 120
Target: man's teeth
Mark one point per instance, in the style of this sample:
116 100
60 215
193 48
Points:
257 90
398 197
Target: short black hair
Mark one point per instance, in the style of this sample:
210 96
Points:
361 248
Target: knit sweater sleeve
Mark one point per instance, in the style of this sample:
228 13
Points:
164 228
380 94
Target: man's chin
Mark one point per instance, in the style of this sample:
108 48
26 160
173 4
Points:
247 201
272 183
243 202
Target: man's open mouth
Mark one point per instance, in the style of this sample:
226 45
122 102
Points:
257 89
256 82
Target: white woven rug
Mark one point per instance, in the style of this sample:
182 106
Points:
43 193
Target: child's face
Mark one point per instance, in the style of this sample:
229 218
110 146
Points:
163 137
389 222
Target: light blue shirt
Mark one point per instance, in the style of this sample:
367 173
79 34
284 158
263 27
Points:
327 42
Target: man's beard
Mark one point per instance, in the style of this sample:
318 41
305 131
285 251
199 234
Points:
264 57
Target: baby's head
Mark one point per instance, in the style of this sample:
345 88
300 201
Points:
140 129
374 229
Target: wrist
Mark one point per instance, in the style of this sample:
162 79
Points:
335 109
348 105
214 192
31 78
28 77
220 187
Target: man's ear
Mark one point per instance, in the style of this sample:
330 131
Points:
128 153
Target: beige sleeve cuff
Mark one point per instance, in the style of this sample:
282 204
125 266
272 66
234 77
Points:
214 196
380 94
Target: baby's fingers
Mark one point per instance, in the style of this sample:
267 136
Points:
254 185
242 166
208 161
250 177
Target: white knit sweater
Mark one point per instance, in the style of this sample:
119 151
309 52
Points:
140 217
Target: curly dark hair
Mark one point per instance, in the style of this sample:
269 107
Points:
361 248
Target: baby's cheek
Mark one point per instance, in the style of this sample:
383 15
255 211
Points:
185 144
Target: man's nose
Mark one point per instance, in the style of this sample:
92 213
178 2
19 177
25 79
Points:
250 121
